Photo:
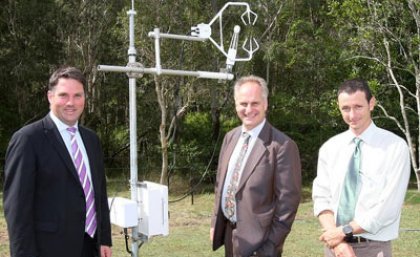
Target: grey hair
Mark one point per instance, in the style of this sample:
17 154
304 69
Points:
251 78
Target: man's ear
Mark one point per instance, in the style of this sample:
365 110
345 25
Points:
49 95
372 103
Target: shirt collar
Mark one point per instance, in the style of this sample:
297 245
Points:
366 136
61 126
255 131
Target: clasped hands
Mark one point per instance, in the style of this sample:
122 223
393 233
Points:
334 239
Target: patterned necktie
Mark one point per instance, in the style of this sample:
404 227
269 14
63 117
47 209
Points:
90 225
230 201
351 186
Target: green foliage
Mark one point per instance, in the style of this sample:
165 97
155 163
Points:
27 51
309 128
196 152
196 125
194 149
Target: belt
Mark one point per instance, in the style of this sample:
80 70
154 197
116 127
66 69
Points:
356 239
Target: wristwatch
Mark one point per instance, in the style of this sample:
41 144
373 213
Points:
348 231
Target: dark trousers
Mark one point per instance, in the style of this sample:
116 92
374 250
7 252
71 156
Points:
89 247
228 239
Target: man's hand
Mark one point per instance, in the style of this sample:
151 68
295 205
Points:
344 250
211 234
332 237
106 251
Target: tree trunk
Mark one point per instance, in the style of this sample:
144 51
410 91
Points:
159 87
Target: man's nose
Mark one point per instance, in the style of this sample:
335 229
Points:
248 108
70 101
352 113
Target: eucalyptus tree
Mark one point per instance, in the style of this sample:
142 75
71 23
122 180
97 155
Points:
383 39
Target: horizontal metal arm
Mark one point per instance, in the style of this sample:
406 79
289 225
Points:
198 74
179 37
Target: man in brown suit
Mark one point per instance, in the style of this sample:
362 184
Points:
257 196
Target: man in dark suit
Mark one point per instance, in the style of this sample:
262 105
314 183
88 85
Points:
258 183
55 198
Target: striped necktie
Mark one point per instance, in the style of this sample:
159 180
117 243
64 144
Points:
350 192
90 225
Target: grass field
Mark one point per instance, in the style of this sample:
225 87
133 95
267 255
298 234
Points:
189 230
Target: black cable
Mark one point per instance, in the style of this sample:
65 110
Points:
126 236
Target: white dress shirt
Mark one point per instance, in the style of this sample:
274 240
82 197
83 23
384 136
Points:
254 135
384 174
62 128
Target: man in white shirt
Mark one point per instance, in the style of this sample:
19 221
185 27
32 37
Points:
383 174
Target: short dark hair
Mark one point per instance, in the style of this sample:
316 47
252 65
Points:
353 85
67 73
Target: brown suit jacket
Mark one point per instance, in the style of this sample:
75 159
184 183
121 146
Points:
268 193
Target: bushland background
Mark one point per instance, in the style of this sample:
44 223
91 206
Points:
307 48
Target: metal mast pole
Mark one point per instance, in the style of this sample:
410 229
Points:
132 53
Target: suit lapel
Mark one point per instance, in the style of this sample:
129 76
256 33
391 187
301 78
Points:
228 152
54 137
255 155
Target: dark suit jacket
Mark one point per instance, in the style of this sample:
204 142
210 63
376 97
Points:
267 197
44 203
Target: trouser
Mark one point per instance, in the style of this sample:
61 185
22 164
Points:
89 247
228 239
369 248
